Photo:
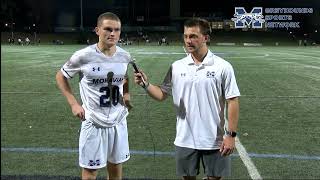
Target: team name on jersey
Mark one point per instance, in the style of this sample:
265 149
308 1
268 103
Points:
105 80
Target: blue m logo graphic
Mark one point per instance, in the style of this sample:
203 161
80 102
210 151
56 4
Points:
243 19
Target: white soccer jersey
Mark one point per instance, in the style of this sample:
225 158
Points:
101 84
199 94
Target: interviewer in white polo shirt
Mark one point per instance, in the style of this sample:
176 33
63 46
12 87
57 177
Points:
201 84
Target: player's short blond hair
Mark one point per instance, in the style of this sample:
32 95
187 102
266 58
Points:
109 16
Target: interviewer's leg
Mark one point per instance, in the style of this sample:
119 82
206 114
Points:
187 163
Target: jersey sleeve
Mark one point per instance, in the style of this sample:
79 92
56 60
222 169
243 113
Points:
229 84
72 66
126 56
166 84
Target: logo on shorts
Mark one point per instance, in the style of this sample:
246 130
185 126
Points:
94 163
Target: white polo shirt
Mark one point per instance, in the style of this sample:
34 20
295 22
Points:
101 84
199 95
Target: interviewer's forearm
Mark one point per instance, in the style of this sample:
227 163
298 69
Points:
233 114
155 92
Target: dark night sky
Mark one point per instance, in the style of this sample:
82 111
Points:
50 13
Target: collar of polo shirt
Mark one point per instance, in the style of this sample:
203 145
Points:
207 61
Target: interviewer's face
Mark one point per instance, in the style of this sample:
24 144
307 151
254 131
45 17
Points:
109 32
194 39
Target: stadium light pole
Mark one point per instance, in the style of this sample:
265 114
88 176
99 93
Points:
81 16
34 33
12 24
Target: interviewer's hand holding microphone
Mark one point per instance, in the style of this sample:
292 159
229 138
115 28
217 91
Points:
153 91
139 77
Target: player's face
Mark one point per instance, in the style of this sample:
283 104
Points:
194 39
109 32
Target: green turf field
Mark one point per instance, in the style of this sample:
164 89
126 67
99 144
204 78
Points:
279 113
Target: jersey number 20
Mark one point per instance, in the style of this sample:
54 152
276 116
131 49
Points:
111 96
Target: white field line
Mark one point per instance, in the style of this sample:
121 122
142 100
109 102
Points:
299 65
152 153
252 169
159 53
295 55
304 65
143 94
293 63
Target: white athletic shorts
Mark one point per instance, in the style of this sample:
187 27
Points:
99 145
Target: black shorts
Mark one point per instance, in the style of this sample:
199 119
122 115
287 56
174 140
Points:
188 162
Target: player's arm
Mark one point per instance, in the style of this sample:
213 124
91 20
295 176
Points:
126 94
154 91
65 89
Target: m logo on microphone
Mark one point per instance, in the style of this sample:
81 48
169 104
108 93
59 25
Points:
243 19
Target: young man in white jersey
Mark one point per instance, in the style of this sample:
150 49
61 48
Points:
200 84
105 100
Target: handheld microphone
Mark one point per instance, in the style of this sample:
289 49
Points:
136 70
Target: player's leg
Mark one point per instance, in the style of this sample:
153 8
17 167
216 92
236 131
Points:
114 171
89 174
92 149
187 162
118 149
215 166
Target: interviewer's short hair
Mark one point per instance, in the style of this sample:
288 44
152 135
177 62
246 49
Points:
203 24
107 15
